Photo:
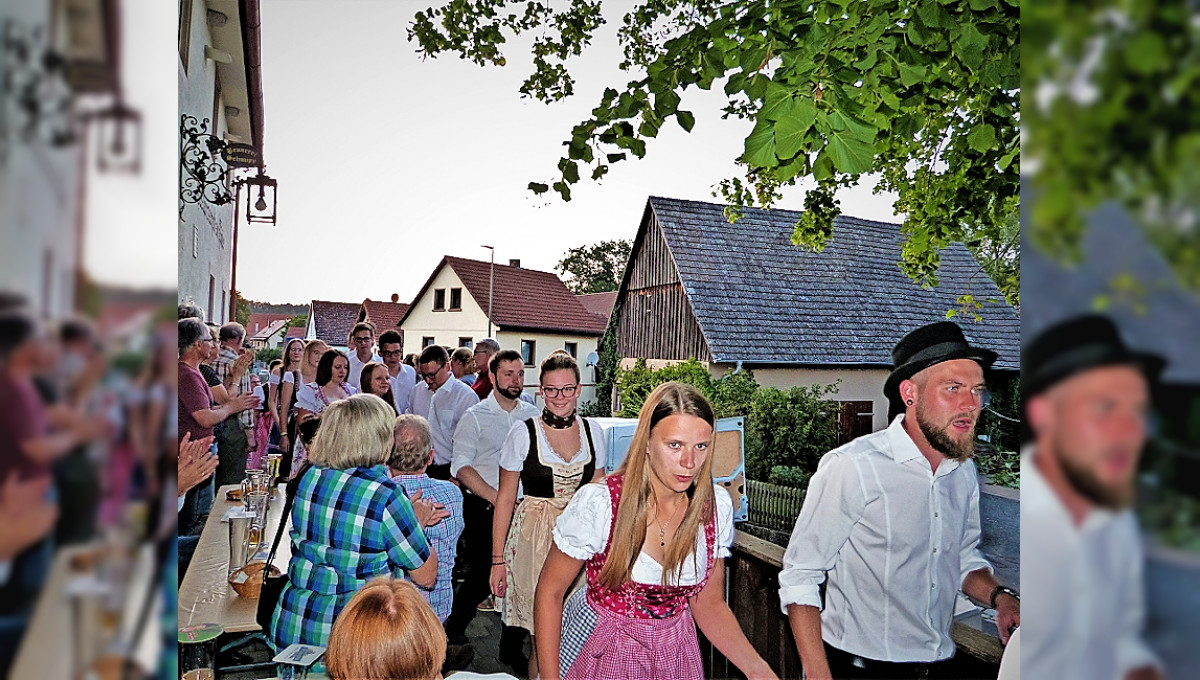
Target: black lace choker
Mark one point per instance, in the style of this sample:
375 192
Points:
558 422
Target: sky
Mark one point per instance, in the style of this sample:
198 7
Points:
386 163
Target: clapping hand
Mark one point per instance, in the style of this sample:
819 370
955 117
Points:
428 512
195 463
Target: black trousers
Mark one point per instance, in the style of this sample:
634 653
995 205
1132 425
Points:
441 472
477 552
844 665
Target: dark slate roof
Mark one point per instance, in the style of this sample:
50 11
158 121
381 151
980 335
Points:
1166 320
524 298
333 320
760 299
600 304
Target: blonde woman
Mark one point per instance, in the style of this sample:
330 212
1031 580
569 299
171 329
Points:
649 589
350 522
550 457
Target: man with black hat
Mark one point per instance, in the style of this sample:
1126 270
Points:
1086 398
890 524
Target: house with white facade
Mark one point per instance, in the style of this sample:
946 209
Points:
220 98
58 59
531 312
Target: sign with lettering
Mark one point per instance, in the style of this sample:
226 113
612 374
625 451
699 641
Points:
241 155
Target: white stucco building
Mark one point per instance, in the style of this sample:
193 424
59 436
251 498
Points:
220 89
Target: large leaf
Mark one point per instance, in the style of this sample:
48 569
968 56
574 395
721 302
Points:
982 137
850 144
791 131
760 146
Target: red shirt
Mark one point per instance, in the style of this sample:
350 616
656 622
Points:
194 395
483 385
22 418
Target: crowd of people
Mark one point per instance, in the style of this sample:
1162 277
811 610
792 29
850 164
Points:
418 494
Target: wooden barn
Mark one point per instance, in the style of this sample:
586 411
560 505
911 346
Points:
741 295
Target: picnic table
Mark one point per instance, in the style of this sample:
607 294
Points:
205 595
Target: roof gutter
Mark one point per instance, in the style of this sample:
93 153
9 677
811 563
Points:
252 48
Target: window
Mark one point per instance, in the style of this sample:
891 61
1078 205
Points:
185 32
195 241
528 351
224 302
439 300
466 342
426 342
212 297
572 349
456 300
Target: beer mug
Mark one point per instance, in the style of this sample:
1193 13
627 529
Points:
255 482
257 504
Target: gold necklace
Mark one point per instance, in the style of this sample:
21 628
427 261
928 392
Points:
662 527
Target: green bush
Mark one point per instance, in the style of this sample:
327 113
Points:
789 475
268 354
792 427
789 428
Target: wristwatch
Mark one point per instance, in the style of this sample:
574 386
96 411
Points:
1005 590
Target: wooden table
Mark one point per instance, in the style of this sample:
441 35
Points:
47 648
205 595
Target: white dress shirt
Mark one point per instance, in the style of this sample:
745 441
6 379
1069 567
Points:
1083 605
402 387
356 368
443 409
481 434
894 542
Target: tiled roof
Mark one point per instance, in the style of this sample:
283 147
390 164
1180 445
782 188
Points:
524 298
758 298
385 315
295 332
260 320
600 304
270 330
333 320
1165 321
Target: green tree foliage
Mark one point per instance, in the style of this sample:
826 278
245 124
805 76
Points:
298 321
268 354
241 309
1117 118
925 93
789 428
596 268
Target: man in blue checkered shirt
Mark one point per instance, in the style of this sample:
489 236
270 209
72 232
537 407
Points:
412 452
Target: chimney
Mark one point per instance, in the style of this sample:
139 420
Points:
395 297
515 264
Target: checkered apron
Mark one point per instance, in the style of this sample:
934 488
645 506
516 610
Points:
639 630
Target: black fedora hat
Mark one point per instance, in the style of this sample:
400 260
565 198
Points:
929 345
1079 344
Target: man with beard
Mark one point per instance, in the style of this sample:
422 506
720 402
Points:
890 524
476 464
1086 397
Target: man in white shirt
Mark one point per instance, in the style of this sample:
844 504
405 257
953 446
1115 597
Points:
442 401
890 524
361 342
402 377
477 442
1086 398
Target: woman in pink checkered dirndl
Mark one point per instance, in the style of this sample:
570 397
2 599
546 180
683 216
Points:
653 537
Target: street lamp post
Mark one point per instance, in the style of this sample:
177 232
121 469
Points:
491 286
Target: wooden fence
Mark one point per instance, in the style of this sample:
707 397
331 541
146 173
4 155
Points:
752 590
773 506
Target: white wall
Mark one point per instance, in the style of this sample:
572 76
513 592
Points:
39 197
213 225
444 327
545 343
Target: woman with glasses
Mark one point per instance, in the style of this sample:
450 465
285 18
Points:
374 380
549 457
330 386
